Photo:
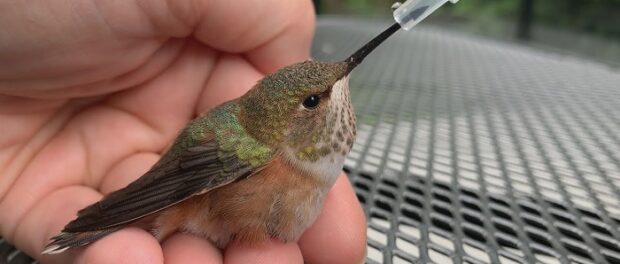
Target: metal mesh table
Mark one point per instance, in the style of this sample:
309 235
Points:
476 151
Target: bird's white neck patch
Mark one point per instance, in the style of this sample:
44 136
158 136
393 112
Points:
325 168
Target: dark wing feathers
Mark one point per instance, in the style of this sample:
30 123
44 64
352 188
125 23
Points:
190 172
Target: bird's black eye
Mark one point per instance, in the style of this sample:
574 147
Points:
312 101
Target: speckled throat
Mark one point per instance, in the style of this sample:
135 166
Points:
333 133
319 146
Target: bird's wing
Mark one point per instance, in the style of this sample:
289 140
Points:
190 171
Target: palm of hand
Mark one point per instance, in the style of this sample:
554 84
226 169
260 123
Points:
110 100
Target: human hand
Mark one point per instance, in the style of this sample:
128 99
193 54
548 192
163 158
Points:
92 92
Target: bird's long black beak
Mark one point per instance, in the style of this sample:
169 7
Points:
357 57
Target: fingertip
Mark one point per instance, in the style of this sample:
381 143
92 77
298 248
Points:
270 252
291 44
129 245
185 248
276 33
339 233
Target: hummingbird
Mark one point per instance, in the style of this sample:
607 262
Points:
254 168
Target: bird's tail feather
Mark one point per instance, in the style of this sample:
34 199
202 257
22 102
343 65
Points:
67 240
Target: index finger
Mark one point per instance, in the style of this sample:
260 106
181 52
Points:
271 33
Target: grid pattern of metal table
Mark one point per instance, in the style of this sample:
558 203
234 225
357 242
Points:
476 151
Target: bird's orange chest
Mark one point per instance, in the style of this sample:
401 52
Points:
277 201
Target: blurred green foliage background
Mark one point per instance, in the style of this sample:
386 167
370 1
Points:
585 27
600 17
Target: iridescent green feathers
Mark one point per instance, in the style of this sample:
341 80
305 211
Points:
232 136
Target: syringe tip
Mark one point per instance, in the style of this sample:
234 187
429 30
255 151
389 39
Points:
412 12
